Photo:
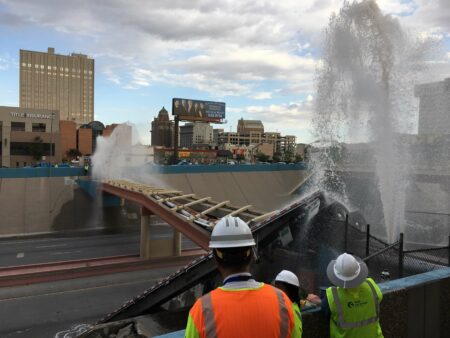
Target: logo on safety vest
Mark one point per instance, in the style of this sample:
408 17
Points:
356 303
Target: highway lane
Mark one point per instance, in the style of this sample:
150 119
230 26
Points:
42 310
43 250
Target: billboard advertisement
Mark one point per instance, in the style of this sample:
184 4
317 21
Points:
198 110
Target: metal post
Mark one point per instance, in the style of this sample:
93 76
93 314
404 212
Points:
448 250
51 139
175 141
367 240
345 233
176 243
400 256
145 233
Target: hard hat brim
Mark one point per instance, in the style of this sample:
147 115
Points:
347 284
231 244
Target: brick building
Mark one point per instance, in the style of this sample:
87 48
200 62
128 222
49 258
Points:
162 130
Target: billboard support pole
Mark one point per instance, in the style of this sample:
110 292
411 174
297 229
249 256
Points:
175 141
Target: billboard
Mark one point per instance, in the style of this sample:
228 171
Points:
198 110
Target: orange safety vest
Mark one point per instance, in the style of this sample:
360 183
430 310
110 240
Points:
263 312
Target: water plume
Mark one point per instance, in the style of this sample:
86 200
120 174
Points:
117 153
365 86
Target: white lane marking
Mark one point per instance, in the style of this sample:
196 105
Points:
50 246
65 252
20 255
82 289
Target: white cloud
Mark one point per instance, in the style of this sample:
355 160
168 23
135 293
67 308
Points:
293 118
6 62
430 16
262 96
222 47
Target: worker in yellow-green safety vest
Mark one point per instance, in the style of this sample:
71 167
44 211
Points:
354 303
288 282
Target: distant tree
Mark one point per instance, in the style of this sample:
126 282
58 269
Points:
37 148
288 156
240 157
262 157
298 158
73 153
276 157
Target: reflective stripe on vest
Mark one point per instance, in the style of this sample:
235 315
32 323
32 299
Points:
210 322
284 319
340 311
208 315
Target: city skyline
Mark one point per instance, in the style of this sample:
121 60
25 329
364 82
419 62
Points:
259 58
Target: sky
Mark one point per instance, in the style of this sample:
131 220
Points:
259 57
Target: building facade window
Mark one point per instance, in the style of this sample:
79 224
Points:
17 126
30 148
38 127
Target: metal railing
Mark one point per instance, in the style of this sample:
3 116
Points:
392 260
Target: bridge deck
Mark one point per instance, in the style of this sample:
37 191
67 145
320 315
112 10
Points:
193 216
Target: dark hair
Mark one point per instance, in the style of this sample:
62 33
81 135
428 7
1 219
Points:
233 258
291 291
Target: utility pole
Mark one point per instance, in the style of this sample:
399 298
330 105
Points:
175 141
51 139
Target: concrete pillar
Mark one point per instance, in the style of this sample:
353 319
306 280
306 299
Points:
176 243
145 233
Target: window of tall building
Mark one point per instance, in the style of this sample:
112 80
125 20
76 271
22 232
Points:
17 126
38 127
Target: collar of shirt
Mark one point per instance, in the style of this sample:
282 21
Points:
230 284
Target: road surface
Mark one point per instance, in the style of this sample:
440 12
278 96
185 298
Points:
43 250
42 310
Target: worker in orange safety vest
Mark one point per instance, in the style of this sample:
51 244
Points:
241 307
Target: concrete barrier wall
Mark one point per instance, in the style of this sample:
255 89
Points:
31 201
45 204
265 190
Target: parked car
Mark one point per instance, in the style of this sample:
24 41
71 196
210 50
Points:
184 162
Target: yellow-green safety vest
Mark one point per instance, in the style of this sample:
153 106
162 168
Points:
297 317
355 312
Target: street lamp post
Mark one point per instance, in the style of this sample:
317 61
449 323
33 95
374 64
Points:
51 139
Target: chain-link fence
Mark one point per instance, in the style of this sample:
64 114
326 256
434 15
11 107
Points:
385 261
391 261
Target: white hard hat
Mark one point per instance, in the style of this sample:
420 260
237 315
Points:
287 277
347 271
231 232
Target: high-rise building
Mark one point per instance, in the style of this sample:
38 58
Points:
251 132
249 126
434 107
162 130
58 82
195 133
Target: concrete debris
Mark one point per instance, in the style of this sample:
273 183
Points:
130 328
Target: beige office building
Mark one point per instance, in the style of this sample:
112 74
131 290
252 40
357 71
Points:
58 82
28 136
